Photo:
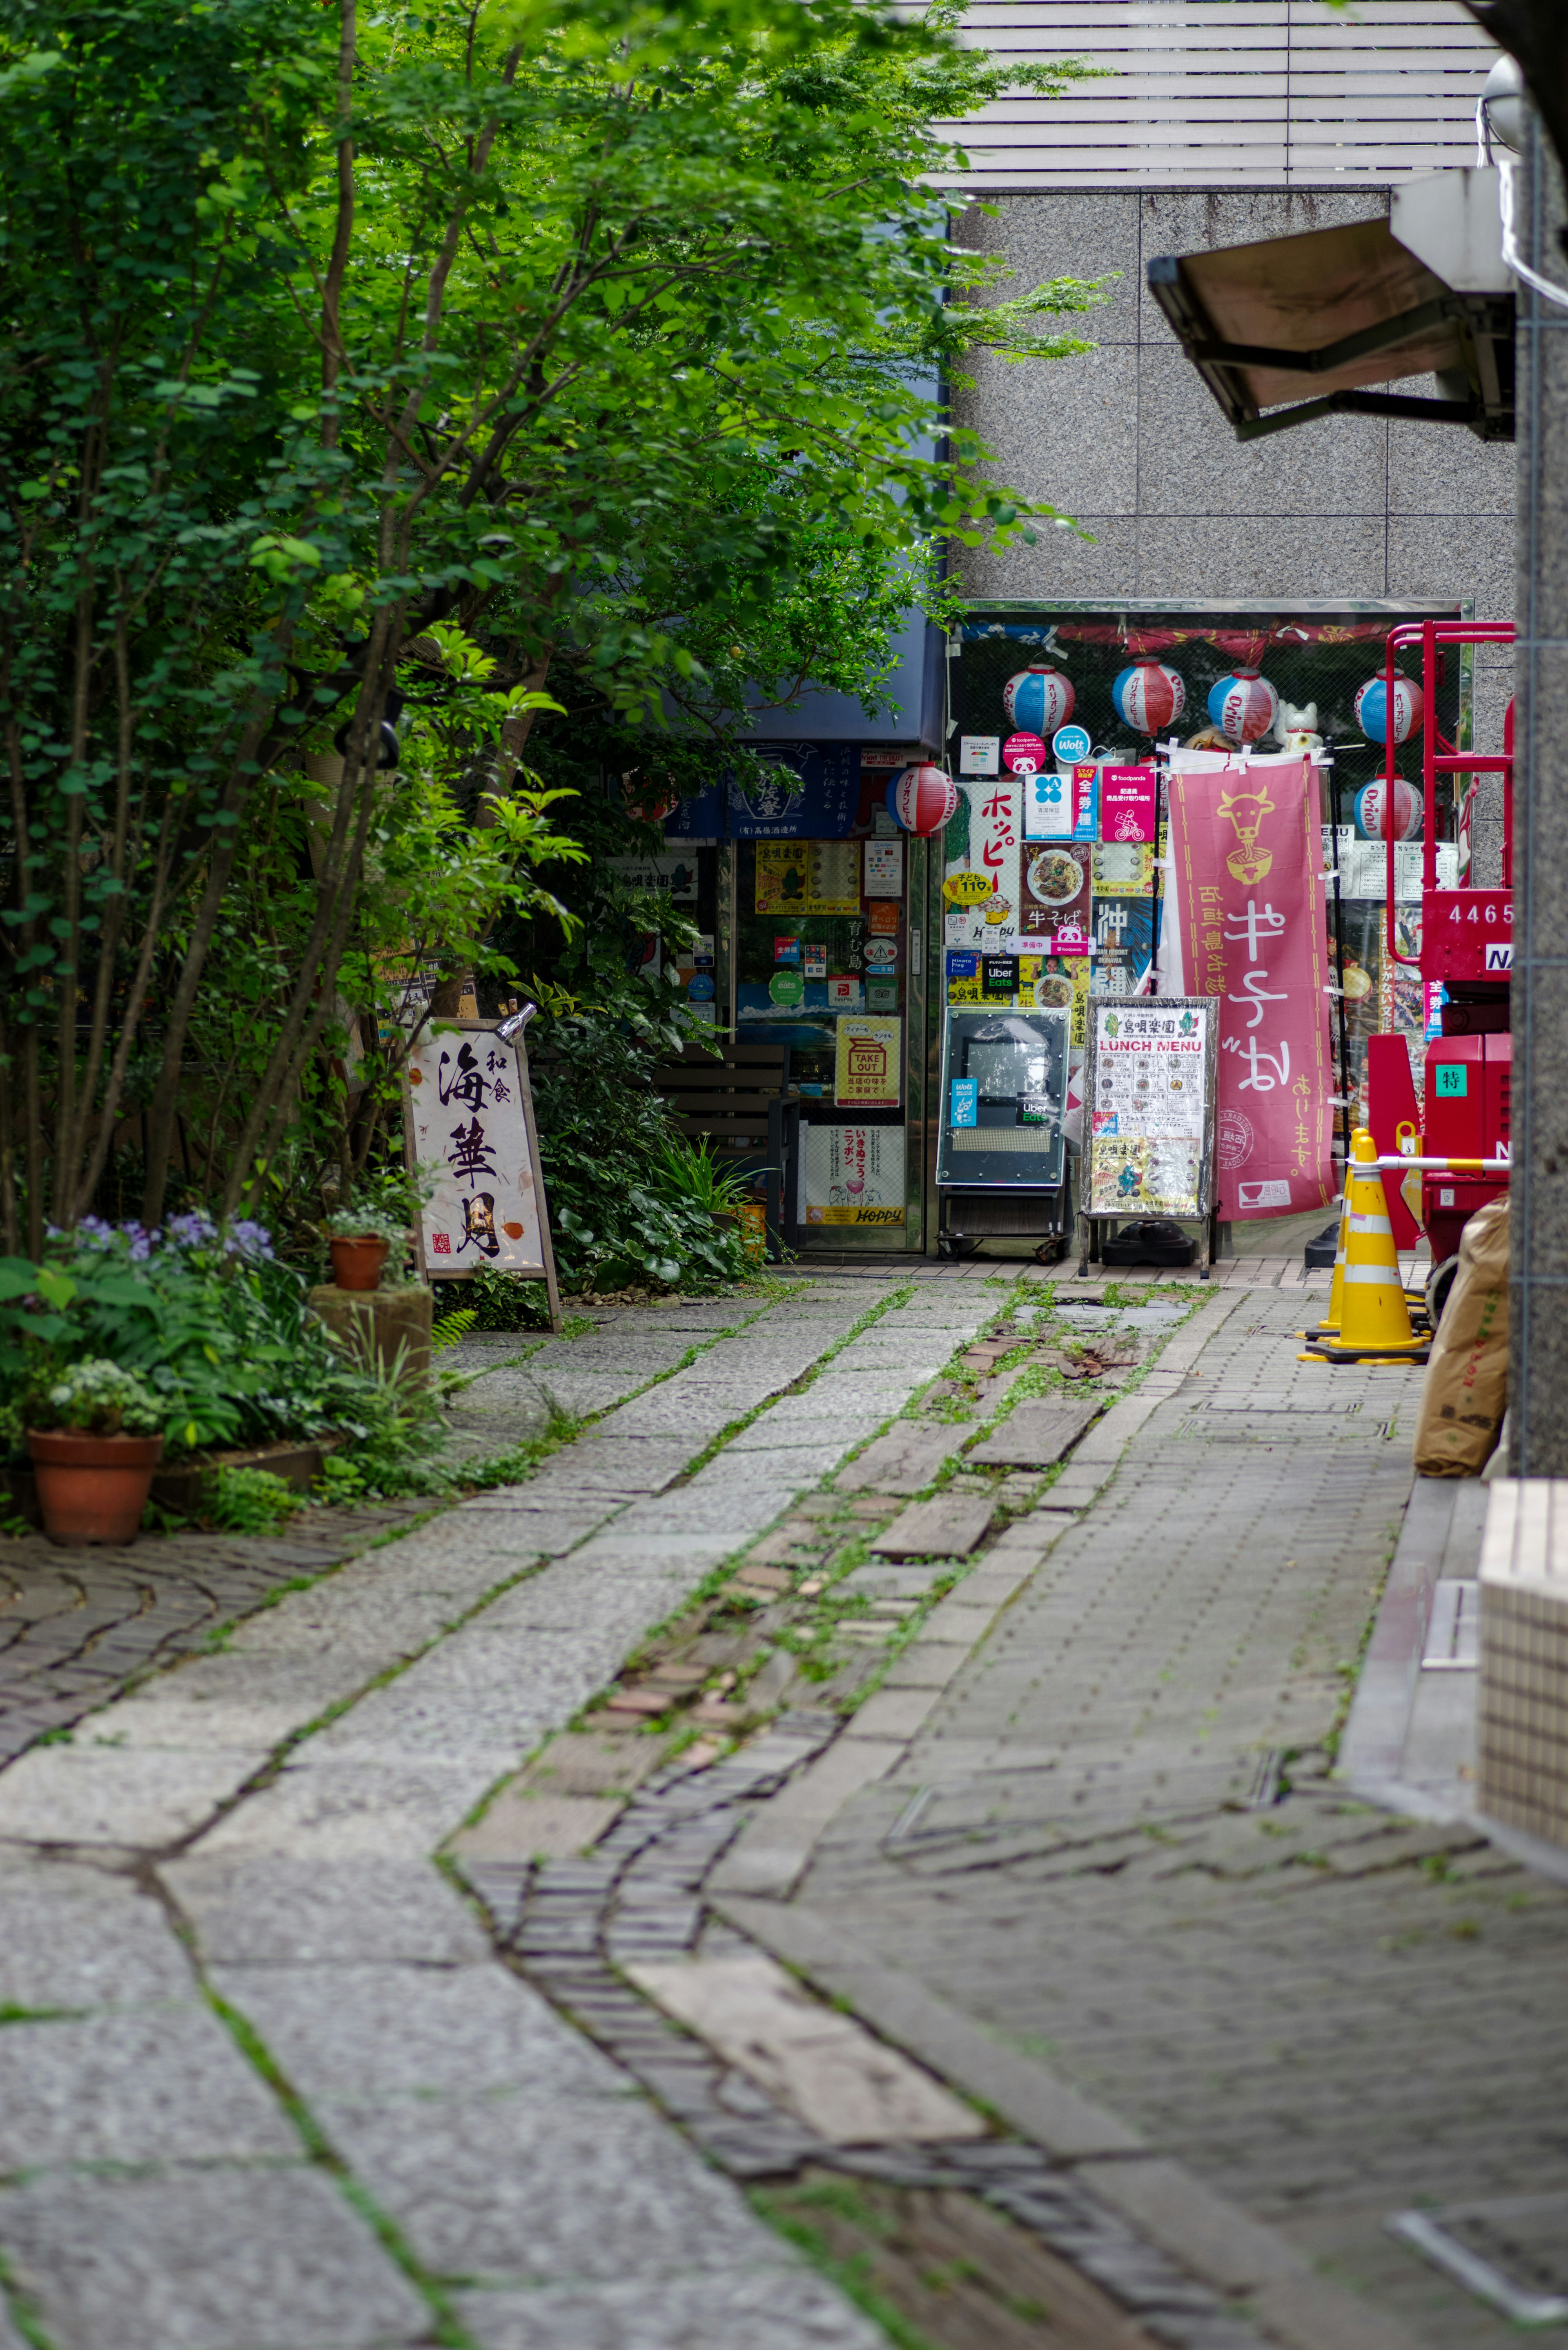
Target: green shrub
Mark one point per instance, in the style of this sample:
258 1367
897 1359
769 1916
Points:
249 1500
507 1301
94 1395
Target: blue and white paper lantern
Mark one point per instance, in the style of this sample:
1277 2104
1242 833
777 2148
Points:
1372 709
1149 697
1038 700
1244 706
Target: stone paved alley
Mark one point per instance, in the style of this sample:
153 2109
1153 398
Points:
347 1962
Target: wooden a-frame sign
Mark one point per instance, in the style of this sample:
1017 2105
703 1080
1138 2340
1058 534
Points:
468 1119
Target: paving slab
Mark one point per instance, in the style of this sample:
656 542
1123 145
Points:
165 2084
524 1823
1034 1436
78 1937
612 1459
480 1693
903 1460
948 1527
383 2034
820 2065
282 1911
761 2306
546 2189
100 1796
208 2260
326 1810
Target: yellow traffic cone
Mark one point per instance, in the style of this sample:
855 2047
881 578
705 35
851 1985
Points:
1329 1327
1374 1321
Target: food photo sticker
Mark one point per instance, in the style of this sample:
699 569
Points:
1056 898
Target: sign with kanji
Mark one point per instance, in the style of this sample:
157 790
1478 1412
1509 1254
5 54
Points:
468 1117
867 1066
1246 857
1148 1122
853 1174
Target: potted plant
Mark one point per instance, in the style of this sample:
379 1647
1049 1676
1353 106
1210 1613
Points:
94 1434
360 1238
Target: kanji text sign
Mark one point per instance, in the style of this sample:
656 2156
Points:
470 1123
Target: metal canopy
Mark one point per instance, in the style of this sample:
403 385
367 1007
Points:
1310 320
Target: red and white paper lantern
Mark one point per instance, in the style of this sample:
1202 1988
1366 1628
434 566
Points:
1244 706
923 799
1149 697
1408 811
1039 699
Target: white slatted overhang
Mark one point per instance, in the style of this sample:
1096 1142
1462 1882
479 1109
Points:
1226 94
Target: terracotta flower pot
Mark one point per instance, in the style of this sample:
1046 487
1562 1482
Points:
357 1263
92 1488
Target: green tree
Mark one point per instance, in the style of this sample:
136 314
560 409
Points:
579 325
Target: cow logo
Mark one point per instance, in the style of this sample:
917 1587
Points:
1246 811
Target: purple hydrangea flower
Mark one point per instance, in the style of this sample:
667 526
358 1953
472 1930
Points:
247 1238
194 1229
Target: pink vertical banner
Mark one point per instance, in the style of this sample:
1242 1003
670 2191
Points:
1246 857
1128 804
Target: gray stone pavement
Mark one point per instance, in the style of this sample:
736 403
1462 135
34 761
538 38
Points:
1116 1846
270 2079
264 2083
75 1626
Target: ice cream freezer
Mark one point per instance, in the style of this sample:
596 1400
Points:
1001 1154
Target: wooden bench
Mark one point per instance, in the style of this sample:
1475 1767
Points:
740 1101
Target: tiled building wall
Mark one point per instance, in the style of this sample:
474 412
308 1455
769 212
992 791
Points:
1130 442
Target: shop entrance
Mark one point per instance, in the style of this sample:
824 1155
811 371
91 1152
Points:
821 966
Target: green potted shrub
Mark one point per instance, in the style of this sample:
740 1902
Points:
95 1435
361 1238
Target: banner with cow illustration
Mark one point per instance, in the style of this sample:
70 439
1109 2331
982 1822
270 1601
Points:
1246 857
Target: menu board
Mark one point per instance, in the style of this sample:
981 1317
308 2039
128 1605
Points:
1149 1105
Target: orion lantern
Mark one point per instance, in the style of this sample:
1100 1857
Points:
1243 706
923 799
1038 700
1148 696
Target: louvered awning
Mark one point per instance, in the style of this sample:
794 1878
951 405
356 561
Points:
1299 326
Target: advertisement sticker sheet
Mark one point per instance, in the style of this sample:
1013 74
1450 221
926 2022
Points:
1124 945
1149 1127
1055 912
867 1068
811 876
852 1175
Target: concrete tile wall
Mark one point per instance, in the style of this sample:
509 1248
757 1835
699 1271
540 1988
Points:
1128 443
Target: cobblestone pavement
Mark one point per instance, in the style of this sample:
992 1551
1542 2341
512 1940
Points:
306 2047
76 1626
1117 1846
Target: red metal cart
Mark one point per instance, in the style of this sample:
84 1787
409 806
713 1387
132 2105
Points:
1466 943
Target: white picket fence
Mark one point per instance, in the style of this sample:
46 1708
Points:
1228 94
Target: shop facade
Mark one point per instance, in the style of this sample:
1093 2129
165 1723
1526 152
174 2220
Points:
831 932
1301 549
